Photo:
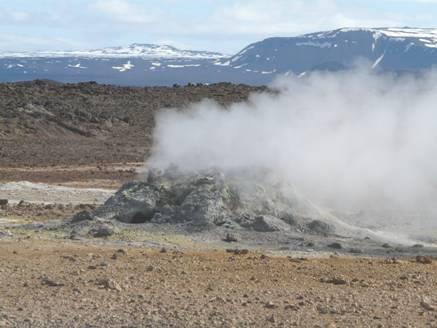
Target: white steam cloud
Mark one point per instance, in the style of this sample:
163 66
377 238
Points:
355 141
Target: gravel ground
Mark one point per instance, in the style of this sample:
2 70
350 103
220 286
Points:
68 284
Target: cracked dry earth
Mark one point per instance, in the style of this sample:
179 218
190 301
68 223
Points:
69 284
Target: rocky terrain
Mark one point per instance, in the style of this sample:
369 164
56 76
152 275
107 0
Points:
88 285
252 209
103 242
45 123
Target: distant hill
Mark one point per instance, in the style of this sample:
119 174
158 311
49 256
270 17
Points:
386 49
393 49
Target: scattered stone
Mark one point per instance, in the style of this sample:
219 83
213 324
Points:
69 257
270 305
102 231
109 284
238 251
392 260
82 216
3 202
5 233
322 309
424 259
230 238
335 245
22 203
267 223
74 235
271 318
291 307
334 281
296 259
426 304
320 227
51 283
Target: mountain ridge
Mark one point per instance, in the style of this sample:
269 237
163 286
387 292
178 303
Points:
134 50
392 49
373 44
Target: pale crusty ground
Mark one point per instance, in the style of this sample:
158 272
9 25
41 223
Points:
71 284
110 176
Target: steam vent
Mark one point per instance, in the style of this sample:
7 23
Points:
206 200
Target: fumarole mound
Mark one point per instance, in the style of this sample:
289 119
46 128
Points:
251 200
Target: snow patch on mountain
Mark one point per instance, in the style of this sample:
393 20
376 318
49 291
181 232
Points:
182 66
425 36
315 44
11 66
376 63
136 50
124 67
79 66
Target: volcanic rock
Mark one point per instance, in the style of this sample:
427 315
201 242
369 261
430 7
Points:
6 233
230 238
335 245
102 230
253 200
424 259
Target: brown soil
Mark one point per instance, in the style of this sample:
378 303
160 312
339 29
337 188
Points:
46 123
92 176
65 284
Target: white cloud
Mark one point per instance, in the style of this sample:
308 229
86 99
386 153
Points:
209 24
20 42
426 1
259 18
20 16
16 17
124 12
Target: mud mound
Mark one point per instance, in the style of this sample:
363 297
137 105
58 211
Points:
253 200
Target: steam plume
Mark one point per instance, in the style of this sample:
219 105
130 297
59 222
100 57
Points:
352 141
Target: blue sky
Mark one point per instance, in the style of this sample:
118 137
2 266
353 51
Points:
222 25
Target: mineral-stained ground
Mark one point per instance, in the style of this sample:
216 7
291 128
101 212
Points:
88 239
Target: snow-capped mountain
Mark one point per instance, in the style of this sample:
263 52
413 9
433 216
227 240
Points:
393 49
136 64
135 50
385 49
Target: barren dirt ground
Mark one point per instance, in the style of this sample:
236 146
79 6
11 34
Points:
50 282
69 284
62 149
